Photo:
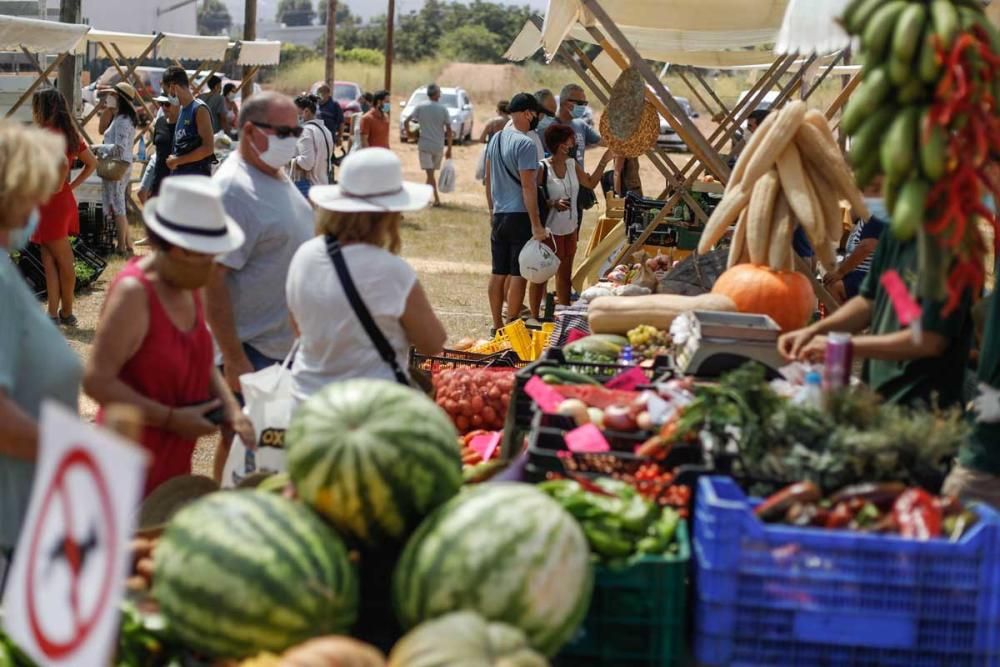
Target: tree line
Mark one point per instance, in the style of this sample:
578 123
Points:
479 31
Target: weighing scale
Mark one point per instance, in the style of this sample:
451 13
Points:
720 342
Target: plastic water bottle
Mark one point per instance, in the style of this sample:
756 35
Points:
812 392
142 148
625 357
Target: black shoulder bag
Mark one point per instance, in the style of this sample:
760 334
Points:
329 150
335 251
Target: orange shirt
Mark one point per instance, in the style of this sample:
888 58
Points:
376 127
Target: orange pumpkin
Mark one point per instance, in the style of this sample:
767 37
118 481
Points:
787 296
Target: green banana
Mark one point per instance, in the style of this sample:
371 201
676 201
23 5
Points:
866 172
933 148
906 38
908 216
865 142
857 19
944 19
866 99
890 190
912 91
879 32
898 151
928 65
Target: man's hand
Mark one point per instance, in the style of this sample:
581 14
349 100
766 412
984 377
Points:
172 162
539 233
834 276
232 369
814 351
838 291
790 344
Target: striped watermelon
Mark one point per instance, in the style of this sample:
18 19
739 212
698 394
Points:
374 457
241 572
506 551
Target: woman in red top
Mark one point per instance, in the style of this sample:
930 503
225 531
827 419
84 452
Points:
60 217
153 349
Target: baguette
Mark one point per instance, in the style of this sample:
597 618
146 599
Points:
818 146
728 209
760 216
780 251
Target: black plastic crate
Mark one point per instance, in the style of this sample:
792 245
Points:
83 254
29 263
97 230
547 449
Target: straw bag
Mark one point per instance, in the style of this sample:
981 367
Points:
111 169
642 139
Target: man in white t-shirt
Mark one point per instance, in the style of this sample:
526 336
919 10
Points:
435 130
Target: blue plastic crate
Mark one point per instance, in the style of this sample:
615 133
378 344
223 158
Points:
780 595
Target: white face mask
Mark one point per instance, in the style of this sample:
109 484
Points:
111 102
231 96
279 151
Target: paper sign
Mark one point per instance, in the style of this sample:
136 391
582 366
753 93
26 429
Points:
906 307
548 399
628 380
586 439
485 444
61 605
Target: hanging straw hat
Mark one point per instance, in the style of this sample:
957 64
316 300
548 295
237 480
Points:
168 498
639 141
625 104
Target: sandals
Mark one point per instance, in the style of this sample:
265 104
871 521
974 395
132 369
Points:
71 321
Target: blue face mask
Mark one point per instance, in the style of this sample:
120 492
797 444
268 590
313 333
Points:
545 122
579 110
18 239
386 107
877 207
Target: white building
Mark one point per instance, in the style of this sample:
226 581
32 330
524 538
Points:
144 17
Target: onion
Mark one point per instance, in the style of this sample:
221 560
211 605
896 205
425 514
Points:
596 416
575 408
619 418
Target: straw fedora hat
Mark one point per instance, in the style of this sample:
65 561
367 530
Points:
642 139
168 498
188 213
126 89
625 103
371 181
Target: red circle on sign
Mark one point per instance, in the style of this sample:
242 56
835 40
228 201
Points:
55 650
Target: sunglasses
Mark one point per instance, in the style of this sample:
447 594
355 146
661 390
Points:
580 102
281 131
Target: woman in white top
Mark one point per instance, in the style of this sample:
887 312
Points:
314 149
562 178
363 213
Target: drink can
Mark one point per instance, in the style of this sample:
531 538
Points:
839 360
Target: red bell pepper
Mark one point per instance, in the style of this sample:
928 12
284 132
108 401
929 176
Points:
917 515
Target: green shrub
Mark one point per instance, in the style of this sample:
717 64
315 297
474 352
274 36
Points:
362 56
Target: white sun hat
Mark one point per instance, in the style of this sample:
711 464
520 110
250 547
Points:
538 262
188 213
371 180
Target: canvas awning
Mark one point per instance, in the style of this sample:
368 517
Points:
667 19
37 36
260 52
714 50
811 27
189 47
131 45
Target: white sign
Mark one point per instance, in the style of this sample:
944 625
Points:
66 582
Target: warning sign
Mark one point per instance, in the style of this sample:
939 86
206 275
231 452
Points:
66 582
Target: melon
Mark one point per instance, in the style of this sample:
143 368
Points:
464 638
238 573
503 550
373 457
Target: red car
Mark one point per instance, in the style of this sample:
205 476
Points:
347 94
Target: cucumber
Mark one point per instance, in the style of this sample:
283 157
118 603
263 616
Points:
898 152
865 142
906 38
565 376
928 65
944 20
908 216
879 32
866 99
933 149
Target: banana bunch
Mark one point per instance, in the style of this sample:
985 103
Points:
791 173
889 116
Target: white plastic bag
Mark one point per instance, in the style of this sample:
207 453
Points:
481 166
538 261
446 181
269 403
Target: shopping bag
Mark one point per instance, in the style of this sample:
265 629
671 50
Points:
481 166
446 181
269 404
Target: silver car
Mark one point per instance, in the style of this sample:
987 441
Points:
669 139
460 112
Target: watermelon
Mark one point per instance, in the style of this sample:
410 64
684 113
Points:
505 551
373 457
242 572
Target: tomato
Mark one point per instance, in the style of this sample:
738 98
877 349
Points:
489 414
462 423
465 408
493 393
477 421
477 404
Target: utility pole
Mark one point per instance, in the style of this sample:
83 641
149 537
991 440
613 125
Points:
70 11
249 35
331 41
390 24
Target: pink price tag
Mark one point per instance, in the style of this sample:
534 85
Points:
906 307
548 399
485 444
628 380
586 439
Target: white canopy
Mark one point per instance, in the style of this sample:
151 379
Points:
260 52
668 19
39 36
179 47
715 50
810 27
